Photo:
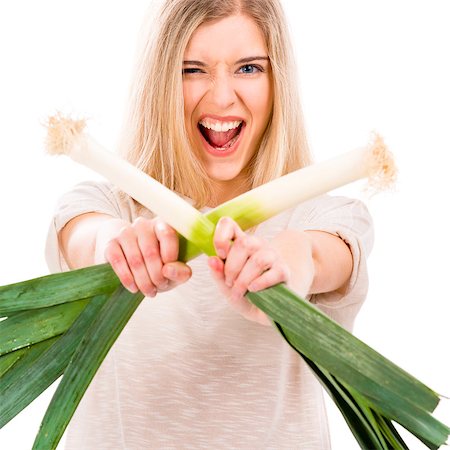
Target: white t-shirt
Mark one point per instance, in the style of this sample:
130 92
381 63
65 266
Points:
188 372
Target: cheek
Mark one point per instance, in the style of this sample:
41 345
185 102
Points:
259 100
192 93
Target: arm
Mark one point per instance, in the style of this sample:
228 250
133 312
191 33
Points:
79 239
143 254
331 259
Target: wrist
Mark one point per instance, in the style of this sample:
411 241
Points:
297 250
107 231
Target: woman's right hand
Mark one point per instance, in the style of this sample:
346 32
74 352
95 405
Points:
144 255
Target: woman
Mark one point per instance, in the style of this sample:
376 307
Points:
214 112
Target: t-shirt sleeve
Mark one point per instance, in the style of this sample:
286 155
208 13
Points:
85 197
350 220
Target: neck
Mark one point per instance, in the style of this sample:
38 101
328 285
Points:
227 190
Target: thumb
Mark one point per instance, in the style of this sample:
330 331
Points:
216 265
177 272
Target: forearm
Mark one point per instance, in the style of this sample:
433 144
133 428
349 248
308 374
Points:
318 261
83 239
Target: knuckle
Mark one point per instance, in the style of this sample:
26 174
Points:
140 220
230 270
111 248
150 252
261 260
281 271
125 233
134 261
141 223
240 244
253 243
162 227
115 260
125 277
239 287
167 232
113 255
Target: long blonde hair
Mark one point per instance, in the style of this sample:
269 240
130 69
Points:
155 137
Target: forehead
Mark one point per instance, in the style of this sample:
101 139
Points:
231 38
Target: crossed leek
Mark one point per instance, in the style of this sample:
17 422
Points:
66 323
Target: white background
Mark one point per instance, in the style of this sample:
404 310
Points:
363 65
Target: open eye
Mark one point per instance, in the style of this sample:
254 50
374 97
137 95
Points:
250 69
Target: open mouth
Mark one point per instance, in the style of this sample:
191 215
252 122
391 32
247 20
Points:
221 135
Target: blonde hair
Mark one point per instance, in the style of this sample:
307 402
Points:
155 138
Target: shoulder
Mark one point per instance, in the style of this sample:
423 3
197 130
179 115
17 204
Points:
334 213
96 196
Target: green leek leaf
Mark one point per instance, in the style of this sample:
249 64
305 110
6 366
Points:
28 327
57 288
27 381
86 360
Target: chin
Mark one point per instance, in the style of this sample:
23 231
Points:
223 174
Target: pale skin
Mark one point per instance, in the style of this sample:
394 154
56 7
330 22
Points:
222 78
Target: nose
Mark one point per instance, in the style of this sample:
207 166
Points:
222 91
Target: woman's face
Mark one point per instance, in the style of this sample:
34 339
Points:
228 96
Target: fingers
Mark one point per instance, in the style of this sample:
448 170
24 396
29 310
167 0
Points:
225 233
126 258
240 305
217 271
263 269
176 272
238 257
238 248
168 241
149 246
115 256
249 263
144 257
278 273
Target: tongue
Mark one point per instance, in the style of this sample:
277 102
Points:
219 138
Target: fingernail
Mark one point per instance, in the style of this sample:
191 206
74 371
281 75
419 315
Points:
133 288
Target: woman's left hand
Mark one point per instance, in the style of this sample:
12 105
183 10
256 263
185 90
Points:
245 263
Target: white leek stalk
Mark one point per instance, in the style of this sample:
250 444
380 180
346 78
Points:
373 162
65 136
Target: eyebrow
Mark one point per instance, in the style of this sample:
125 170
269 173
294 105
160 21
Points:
239 61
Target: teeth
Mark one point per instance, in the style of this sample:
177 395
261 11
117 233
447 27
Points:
219 126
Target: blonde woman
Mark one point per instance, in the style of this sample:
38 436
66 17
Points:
214 112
